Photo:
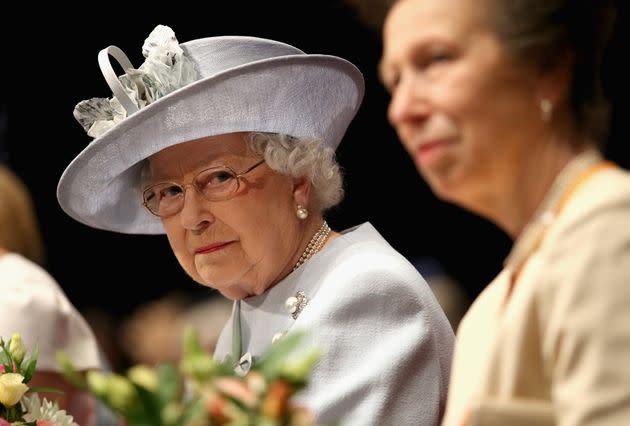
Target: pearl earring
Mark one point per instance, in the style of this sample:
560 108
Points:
301 212
546 110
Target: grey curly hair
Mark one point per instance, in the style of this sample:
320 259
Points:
296 157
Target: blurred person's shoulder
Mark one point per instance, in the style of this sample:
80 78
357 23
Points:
17 270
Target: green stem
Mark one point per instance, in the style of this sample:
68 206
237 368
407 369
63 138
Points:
14 413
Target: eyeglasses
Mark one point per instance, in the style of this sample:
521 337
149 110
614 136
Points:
215 184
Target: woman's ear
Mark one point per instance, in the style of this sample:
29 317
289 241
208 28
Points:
301 190
554 79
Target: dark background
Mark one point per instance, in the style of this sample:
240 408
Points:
45 78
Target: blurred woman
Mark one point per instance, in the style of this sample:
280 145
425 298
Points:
35 306
500 104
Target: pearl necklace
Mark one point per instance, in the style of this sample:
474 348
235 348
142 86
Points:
315 245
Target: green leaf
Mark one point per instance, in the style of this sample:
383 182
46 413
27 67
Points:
14 413
272 361
45 389
193 410
5 355
191 345
150 409
30 370
5 358
69 372
266 421
34 356
226 367
139 422
31 364
170 383
297 369
201 367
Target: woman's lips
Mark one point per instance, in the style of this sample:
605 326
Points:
213 247
429 151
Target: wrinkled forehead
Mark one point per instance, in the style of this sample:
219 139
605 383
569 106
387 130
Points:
182 158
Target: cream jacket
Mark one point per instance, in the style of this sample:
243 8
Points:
556 349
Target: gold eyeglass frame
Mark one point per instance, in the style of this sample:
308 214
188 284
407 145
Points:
236 175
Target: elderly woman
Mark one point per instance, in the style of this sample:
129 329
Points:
500 105
226 144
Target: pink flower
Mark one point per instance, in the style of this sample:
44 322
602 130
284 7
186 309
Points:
2 370
3 422
236 388
45 423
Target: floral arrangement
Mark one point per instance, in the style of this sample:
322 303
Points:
16 407
201 391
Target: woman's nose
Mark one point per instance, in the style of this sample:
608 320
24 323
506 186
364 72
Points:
195 214
409 101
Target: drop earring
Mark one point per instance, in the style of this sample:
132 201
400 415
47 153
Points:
301 212
546 110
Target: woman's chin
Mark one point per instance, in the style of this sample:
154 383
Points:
233 293
440 183
225 287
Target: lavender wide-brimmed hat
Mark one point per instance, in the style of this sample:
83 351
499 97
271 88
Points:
187 91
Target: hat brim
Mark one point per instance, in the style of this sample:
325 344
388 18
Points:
299 95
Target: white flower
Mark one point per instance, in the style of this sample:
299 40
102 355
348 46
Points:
45 410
